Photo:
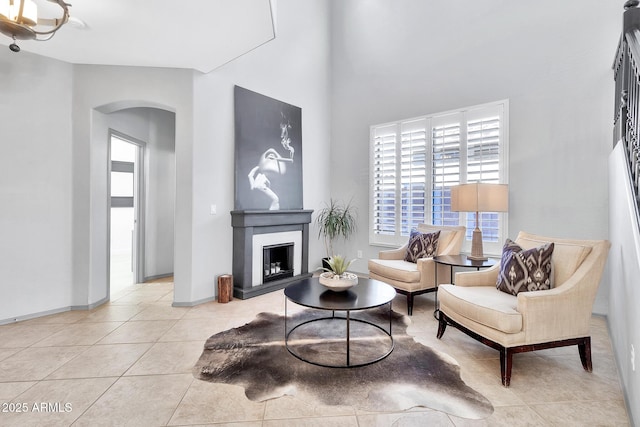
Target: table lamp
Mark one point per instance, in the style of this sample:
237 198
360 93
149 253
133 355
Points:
479 197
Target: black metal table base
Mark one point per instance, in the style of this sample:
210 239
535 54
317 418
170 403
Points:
348 319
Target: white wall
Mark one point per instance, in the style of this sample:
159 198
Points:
157 129
160 193
552 60
624 262
99 90
386 63
54 231
35 184
293 68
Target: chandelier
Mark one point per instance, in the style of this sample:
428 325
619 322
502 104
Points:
19 20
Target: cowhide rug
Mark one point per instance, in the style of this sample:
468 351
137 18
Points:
254 356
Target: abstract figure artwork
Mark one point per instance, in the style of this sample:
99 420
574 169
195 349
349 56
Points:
268 138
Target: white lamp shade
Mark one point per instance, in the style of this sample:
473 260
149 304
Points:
479 197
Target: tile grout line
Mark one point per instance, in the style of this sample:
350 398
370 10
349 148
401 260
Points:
153 343
96 400
173 413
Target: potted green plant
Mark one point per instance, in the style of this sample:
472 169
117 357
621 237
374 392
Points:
336 277
335 220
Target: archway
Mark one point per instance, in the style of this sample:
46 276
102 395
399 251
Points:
153 126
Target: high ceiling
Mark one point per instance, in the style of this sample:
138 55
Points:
196 34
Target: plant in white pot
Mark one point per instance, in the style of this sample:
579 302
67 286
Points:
336 277
335 220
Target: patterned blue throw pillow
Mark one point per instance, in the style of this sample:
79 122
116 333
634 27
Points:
421 245
525 270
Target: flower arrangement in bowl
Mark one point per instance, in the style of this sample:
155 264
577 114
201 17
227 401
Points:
336 277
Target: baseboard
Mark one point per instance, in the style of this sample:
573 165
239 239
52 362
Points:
157 276
52 311
90 306
34 315
192 303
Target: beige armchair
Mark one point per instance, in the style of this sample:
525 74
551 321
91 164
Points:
533 320
412 279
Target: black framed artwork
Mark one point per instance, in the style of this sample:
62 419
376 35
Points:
268 152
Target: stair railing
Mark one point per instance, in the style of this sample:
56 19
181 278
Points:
626 68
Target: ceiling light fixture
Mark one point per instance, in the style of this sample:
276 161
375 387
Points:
19 20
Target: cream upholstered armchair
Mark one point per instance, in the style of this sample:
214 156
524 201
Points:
410 278
532 320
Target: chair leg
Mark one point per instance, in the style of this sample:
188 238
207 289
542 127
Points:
442 325
409 303
506 362
584 348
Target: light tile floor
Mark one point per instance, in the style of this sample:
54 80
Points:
128 363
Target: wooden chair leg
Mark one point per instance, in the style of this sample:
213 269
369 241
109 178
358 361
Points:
442 325
506 362
409 303
506 354
584 348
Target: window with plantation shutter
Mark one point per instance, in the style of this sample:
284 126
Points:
445 168
413 167
415 162
384 180
483 165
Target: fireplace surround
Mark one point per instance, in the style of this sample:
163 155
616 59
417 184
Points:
250 226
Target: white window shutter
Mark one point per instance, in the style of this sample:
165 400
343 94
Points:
413 168
484 163
445 168
384 179
415 162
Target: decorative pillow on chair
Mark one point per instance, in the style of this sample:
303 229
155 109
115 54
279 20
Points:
421 245
525 270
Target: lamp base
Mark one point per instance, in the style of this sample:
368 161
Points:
476 247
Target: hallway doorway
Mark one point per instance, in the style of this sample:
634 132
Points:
125 212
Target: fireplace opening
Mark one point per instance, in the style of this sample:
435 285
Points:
277 262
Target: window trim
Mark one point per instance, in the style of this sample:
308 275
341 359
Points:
397 239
